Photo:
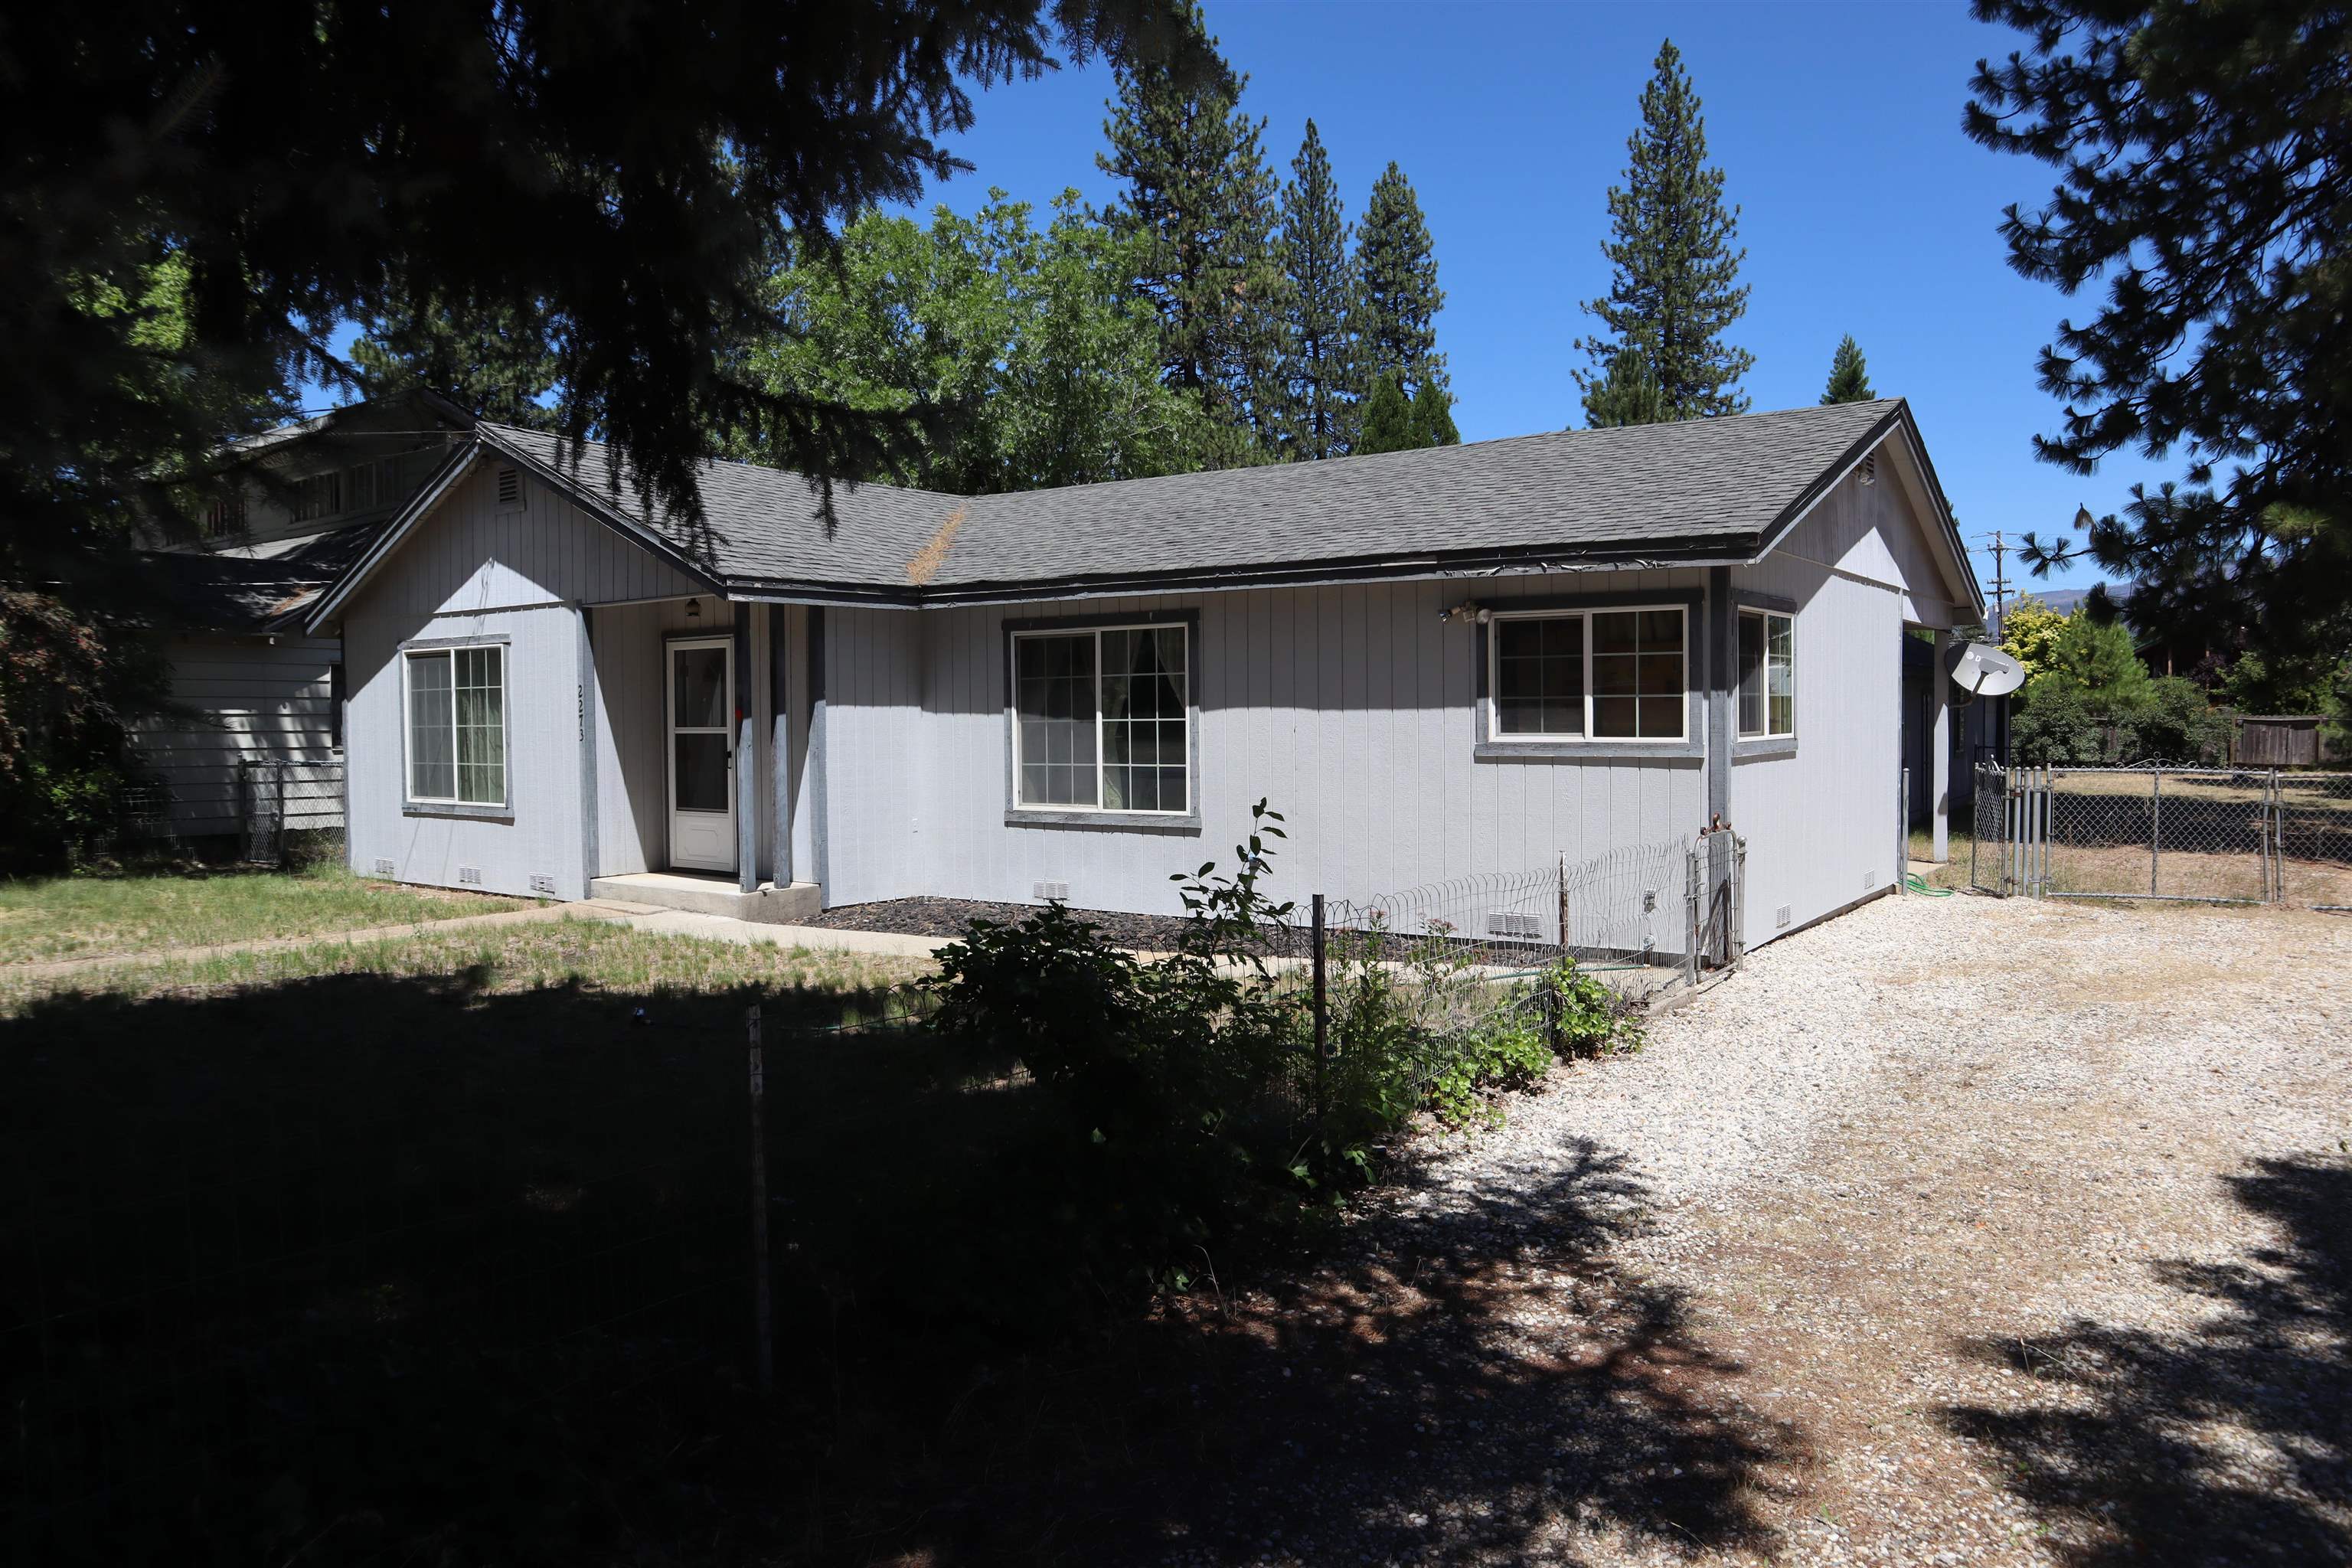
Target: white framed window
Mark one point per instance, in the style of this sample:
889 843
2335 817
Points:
1101 719
1767 675
1589 675
456 699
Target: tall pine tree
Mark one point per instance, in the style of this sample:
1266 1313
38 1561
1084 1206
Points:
1673 291
1396 269
1202 204
1849 377
1318 349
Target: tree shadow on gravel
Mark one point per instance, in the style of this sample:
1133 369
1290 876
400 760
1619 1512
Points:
1454 1387
2134 1472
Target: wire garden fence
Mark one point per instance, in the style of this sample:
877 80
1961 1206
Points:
2183 834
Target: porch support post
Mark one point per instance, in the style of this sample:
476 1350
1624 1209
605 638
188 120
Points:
747 759
590 701
1722 678
780 763
820 847
1939 749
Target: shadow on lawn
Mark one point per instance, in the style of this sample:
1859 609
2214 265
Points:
2134 1472
362 1269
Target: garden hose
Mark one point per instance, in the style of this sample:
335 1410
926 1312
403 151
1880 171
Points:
1914 883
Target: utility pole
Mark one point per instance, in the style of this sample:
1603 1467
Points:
2000 580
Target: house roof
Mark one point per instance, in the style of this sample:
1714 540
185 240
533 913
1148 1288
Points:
269 588
1701 490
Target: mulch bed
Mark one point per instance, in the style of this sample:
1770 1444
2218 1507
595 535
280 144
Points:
948 917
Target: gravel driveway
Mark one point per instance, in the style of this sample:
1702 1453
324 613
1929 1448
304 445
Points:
1951 1231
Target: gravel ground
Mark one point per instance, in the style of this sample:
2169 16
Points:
1954 1231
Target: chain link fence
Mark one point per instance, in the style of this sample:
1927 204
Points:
2179 834
291 809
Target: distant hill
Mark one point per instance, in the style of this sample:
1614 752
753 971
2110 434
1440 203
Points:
2065 600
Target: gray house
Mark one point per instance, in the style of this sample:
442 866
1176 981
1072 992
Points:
1435 663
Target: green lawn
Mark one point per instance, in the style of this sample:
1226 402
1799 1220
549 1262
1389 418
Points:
49 919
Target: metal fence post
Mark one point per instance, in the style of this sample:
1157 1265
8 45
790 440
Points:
1322 1011
2155 826
762 1314
1691 884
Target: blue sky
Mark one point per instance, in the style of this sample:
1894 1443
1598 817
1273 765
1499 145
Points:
1864 209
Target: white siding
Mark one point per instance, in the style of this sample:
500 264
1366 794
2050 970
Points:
473 570
1351 708
542 835
242 697
469 555
1822 825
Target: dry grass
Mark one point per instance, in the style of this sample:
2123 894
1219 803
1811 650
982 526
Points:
496 961
43 920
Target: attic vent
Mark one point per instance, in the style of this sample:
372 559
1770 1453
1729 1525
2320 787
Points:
1869 469
510 488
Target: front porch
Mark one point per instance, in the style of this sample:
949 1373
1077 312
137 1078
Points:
697 760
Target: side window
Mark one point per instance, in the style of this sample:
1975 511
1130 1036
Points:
1767 675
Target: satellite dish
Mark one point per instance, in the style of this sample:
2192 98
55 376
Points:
1981 669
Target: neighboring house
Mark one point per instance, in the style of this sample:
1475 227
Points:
1435 663
247 679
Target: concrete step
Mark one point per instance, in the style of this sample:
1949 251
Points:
765 905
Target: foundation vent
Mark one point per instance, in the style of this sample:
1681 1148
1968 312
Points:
471 875
1780 918
543 885
1507 922
386 868
1052 890
1869 880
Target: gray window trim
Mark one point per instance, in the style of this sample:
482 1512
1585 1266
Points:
1758 748
503 811
1188 822
1487 749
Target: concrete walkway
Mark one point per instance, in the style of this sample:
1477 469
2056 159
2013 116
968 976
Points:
639 917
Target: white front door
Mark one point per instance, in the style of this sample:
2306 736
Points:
702 753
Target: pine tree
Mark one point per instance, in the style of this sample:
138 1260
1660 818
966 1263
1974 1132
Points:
1674 289
1396 269
1433 417
497 360
1200 199
2199 156
1388 418
1627 395
1849 377
1319 351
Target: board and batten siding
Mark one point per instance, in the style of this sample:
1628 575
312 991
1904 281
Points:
239 698
1349 709
477 569
1820 826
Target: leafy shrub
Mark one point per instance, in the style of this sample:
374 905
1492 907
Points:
1588 1018
1168 1114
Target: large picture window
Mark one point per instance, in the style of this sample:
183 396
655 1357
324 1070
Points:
457 725
1767 675
1100 720
1601 675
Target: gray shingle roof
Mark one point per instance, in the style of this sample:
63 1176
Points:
1656 491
